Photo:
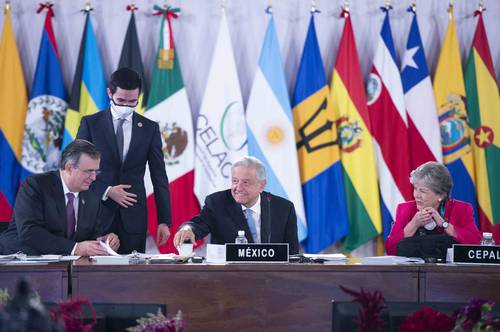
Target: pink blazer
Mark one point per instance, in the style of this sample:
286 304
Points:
459 214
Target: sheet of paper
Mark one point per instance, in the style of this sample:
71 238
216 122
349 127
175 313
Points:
106 246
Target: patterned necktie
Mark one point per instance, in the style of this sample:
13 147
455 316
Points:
119 137
70 215
251 224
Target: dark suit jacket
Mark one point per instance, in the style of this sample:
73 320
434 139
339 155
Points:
222 217
38 224
145 146
459 214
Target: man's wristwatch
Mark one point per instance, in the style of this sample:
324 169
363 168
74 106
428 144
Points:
446 224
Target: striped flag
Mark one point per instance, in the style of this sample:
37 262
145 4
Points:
357 154
46 109
389 124
221 137
13 105
318 150
88 94
168 105
449 91
483 105
423 124
131 57
271 136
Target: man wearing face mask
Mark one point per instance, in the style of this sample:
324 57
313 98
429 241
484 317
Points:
127 141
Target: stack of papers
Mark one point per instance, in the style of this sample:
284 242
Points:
391 260
327 257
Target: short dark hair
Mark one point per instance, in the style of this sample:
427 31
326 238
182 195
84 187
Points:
125 78
75 149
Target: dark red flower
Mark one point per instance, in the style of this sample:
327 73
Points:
427 320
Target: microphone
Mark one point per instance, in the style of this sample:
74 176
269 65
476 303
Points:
268 198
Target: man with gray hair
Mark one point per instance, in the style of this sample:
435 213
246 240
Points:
265 218
54 211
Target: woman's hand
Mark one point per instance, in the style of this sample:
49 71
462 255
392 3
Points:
420 218
434 215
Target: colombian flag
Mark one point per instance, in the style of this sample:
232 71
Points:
449 92
88 94
483 105
357 154
318 150
13 105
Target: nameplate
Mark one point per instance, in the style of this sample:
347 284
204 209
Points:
476 254
257 253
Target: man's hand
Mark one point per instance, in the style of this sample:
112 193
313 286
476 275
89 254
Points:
114 241
182 235
163 234
89 248
121 196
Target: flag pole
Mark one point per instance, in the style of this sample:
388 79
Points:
450 10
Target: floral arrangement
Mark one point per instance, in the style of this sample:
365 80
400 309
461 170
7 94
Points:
427 320
159 323
69 314
476 316
372 303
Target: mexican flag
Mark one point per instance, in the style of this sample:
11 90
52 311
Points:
168 105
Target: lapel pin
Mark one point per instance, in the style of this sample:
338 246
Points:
139 124
83 202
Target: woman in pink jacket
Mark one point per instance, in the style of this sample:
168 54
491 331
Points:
432 211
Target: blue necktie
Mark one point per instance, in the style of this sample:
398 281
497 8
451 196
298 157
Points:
251 224
70 216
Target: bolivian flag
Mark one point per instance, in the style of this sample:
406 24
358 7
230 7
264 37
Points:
356 154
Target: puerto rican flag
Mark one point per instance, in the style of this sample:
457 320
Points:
423 123
389 127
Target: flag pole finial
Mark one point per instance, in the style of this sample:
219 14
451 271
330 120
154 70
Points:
387 4
7 6
450 10
345 9
414 6
223 5
88 6
269 8
481 6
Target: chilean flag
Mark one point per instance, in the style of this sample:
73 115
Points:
389 127
423 123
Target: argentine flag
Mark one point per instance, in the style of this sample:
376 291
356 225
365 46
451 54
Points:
270 131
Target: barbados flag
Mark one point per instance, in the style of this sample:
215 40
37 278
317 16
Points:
271 136
13 104
318 150
449 91
88 94
46 109
483 105
357 153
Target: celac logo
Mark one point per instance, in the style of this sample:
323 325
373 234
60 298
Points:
232 127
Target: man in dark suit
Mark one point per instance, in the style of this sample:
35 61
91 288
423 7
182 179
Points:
55 214
127 141
265 218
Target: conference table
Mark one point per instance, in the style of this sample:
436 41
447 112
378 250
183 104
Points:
274 297
49 280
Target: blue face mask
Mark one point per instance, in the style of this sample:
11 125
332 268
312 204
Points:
121 110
